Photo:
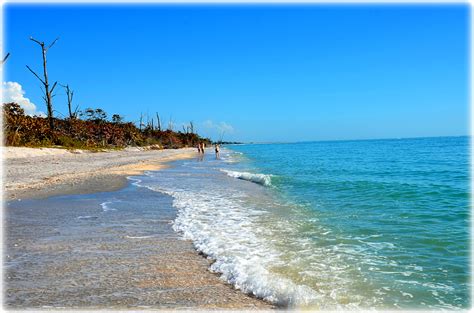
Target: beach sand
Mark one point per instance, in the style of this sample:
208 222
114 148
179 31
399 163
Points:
45 172
53 261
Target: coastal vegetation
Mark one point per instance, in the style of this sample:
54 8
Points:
90 128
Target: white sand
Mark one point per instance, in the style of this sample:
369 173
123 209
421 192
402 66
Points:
41 168
22 152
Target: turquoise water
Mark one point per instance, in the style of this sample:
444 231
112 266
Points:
342 224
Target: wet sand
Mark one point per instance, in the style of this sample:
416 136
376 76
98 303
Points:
69 252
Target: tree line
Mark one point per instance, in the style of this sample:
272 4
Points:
88 128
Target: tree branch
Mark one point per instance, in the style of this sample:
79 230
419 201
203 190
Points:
52 88
38 42
6 57
58 112
36 75
53 43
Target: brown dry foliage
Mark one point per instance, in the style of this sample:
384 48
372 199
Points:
33 131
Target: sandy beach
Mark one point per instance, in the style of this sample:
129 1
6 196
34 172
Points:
161 271
43 172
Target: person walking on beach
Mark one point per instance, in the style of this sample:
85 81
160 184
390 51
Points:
201 151
217 151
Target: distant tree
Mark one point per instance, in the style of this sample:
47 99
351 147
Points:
97 115
70 95
117 119
158 121
141 122
170 124
47 92
88 114
100 115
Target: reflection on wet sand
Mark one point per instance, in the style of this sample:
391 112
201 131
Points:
71 252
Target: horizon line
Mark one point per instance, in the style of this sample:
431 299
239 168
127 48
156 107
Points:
330 140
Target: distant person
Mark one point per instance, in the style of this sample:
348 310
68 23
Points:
200 151
217 151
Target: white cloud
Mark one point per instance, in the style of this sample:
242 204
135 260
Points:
13 92
221 127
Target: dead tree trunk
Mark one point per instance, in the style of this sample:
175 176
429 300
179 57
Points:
170 124
158 121
70 95
47 92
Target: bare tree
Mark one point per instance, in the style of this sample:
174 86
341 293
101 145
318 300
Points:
47 92
170 124
191 127
158 121
70 95
5 58
141 121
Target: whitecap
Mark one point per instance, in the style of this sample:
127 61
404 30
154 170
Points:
105 206
261 179
86 217
140 237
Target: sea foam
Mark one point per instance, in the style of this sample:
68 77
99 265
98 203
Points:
225 231
261 179
105 206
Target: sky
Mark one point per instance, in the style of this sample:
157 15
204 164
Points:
261 73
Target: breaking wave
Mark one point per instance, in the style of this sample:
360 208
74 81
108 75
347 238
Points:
261 179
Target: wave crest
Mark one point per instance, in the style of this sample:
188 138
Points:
261 179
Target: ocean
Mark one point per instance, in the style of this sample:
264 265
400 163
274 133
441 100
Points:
333 224
364 224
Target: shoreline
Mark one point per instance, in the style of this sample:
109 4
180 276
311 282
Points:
93 177
36 173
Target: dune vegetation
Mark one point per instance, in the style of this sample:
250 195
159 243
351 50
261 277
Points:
91 129
87 129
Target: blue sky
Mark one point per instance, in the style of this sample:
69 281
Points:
261 73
